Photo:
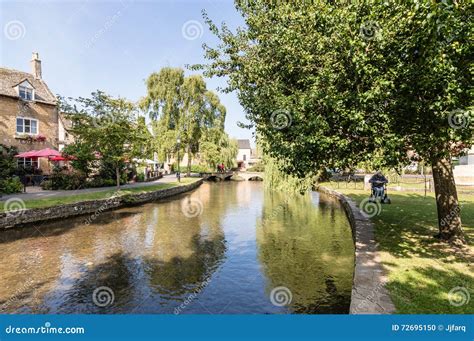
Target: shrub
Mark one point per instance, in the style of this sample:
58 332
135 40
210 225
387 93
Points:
259 167
95 182
109 182
194 168
7 161
67 180
140 177
11 185
46 184
200 169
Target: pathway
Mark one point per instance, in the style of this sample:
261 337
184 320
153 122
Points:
38 193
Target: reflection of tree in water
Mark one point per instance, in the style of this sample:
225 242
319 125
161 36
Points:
117 273
180 276
161 256
307 249
187 251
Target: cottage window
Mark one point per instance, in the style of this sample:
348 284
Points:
26 126
25 93
26 162
245 157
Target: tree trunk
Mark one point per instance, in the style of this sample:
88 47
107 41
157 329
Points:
189 161
449 212
117 176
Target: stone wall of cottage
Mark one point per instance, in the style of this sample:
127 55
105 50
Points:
46 114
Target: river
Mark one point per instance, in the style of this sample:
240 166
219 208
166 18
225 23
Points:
225 248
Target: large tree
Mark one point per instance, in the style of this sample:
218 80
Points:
181 107
105 128
216 147
331 85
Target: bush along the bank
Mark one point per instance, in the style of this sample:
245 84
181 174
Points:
99 182
65 179
194 168
259 167
11 185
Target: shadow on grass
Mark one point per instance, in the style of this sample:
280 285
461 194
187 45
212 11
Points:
432 291
407 226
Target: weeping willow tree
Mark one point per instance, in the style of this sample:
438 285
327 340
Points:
183 108
276 179
216 147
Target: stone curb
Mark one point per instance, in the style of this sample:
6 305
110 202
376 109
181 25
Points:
369 295
92 207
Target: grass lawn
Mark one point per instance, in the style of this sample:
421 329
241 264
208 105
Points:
106 193
422 270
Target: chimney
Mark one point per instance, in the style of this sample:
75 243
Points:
36 65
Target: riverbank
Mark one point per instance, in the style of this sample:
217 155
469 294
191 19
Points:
17 212
425 276
369 293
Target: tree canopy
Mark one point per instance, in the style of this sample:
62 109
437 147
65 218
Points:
105 128
182 107
330 85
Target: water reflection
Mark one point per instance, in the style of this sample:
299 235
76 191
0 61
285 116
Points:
308 251
155 258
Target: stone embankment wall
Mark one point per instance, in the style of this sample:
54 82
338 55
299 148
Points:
28 216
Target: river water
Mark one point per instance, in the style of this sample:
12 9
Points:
225 248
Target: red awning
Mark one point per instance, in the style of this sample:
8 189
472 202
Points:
40 153
26 154
57 158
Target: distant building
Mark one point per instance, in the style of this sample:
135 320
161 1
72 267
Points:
244 153
64 134
468 159
464 173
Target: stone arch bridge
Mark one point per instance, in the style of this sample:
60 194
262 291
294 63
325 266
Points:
217 176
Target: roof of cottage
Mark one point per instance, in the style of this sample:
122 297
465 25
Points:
243 144
10 78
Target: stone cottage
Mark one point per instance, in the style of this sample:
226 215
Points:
28 112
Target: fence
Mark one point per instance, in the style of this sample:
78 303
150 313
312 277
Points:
408 182
347 181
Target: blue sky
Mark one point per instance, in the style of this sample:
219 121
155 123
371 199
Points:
113 45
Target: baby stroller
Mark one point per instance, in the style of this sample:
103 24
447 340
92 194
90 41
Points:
379 194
